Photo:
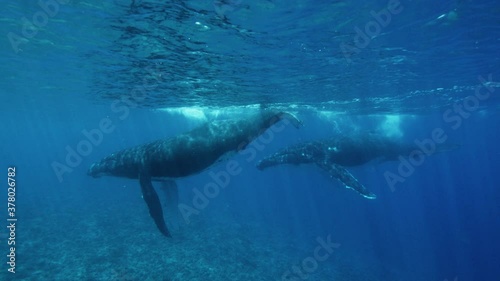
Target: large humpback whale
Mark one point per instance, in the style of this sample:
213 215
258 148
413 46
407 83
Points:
334 154
184 155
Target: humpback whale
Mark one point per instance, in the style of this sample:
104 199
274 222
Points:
184 155
334 154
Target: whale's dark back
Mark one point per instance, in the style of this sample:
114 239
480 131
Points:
188 153
198 149
354 151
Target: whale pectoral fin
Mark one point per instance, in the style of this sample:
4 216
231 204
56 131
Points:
171 202
153 202
344 176
273 160
281 158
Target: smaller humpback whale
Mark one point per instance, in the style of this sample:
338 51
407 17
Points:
184 155
334 154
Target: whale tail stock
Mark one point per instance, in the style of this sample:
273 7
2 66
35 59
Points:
153 202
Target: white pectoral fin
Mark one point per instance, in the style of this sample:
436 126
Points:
346 178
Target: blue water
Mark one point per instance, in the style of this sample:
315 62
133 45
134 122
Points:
155 69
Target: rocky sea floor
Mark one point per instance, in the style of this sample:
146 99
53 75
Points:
119 242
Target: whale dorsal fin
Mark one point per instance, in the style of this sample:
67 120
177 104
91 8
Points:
153 202
346 178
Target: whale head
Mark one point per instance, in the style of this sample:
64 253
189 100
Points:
97 170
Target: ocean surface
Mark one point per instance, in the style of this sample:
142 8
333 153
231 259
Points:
82 79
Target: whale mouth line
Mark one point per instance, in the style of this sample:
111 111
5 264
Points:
93 172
